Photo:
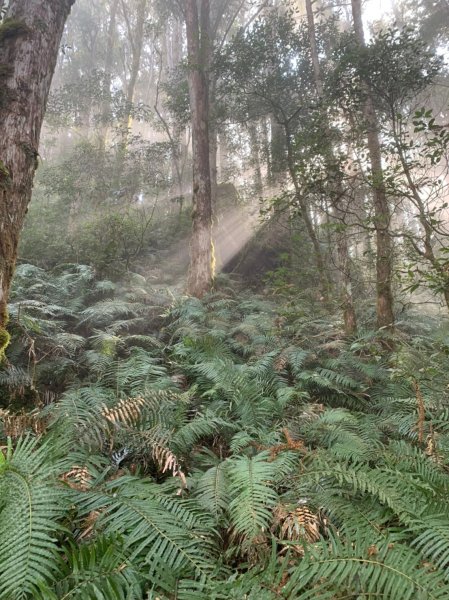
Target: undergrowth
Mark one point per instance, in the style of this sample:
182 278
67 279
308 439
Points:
223 449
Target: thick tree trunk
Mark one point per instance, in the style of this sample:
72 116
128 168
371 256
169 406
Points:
343 258
29 41
201 270
385 315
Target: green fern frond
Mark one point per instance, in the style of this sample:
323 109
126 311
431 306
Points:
390 570
171 537
31 506
93 571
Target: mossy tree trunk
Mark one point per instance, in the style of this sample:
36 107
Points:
198 40
30 36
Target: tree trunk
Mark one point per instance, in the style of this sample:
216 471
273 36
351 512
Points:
29 41
197 26
343 258
106 104
307 219
385 315
136 41
255 156
277 150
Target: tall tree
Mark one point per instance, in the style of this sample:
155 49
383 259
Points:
109 58
198 50
338 192
385 316
30 36
136 39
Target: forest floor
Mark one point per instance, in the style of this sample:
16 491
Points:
235 447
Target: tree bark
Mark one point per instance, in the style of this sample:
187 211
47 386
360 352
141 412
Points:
197 26
29 41
385 315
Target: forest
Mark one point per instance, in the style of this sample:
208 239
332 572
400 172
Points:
224 296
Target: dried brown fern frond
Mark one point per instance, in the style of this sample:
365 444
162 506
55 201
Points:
291 444
88 524
432 447
152 445
78 478
281 362
300 525
126 412
129 411
167 462
16 424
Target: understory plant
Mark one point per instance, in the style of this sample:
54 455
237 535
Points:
219 449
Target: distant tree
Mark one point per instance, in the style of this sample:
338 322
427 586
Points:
337 189
30 35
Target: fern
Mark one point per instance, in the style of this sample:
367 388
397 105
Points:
253 492
169 536
31 507
94 571
390 570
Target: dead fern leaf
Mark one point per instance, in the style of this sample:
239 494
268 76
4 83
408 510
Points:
280 363
126 412
78 478
167 462
291 444
301 525
15 425
88 525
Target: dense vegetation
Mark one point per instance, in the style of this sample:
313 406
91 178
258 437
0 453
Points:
222 448
266 416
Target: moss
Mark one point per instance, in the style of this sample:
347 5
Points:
11 28
5 338
5 177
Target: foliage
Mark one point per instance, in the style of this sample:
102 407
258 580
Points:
245 452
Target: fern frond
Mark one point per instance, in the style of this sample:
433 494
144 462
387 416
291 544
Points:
253 493
171 537
31 506
94 571
389 570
